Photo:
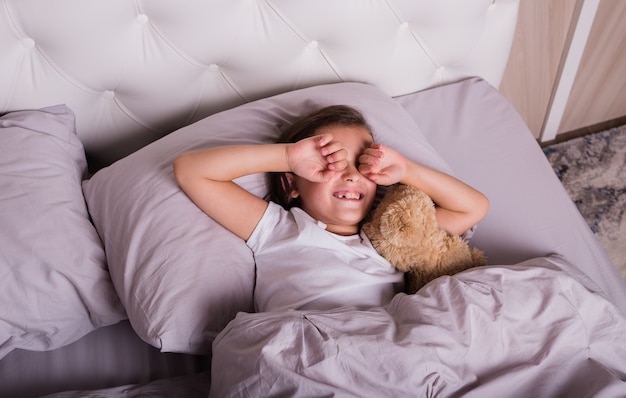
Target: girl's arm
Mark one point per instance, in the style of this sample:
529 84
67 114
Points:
459 206
206 176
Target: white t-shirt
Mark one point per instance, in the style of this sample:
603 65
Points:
300 265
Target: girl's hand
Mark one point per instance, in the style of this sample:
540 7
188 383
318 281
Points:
382 165
316 158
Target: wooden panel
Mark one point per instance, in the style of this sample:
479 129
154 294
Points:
530 75
599 91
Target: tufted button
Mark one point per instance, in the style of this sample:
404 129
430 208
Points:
141 19
27 42
403 26
108 94
313 44
213 68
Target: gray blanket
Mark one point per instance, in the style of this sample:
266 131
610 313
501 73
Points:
528 330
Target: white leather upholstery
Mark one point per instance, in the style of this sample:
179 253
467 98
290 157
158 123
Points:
135 70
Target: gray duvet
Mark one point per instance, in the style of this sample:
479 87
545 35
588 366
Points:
526 330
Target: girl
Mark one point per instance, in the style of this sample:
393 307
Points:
308 248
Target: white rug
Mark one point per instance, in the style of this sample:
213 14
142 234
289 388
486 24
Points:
593 171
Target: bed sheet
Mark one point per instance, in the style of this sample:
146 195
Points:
109 356
530 213
187 386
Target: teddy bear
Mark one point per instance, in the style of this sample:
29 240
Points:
403 230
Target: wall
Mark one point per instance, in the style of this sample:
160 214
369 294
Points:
599 91
555 85
531 72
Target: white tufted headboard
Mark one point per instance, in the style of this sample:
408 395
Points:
135 70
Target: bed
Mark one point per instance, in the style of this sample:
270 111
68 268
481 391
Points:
114 284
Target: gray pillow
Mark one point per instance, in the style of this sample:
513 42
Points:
180 275
54 284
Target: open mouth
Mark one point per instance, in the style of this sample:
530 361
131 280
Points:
350 195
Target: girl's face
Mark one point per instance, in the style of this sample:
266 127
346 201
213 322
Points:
342 202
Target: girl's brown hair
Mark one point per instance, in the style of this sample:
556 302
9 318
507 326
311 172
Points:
306 126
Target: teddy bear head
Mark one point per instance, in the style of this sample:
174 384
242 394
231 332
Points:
403 229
